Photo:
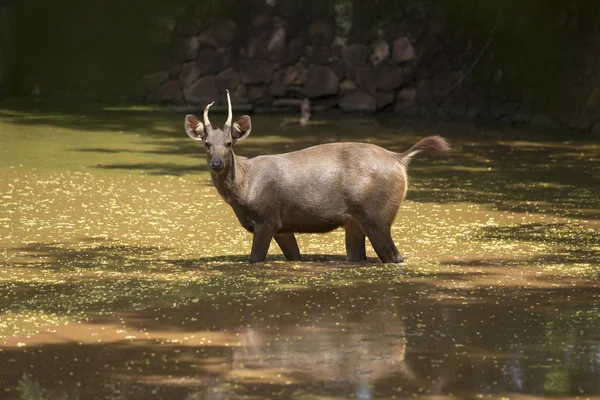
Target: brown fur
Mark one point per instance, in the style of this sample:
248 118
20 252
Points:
357 186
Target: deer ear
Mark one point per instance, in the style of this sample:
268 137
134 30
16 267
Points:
194 128
241 128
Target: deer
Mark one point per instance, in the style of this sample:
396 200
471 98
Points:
355 186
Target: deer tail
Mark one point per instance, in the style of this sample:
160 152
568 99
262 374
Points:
430 143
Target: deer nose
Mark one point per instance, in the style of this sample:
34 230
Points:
216 165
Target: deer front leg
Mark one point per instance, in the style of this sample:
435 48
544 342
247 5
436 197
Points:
260 244
287 243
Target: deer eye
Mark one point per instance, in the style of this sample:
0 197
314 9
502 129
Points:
228 144
207 145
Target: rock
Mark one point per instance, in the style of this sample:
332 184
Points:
267 44
406 100
319 54
203 91
348 86
206 39
175 70
227 80
278 87
255 71
224 32
258 93
522 116
359 34
295 49
206 57
339 67
152 81
255 49
168 92
403 51
424 92
294 75
321 81
262 18
355 55
189 73
384 99
221 60
188 26
380 51
275 45
187 49
366 79
389 77
595 128
320 32
541 120
358 102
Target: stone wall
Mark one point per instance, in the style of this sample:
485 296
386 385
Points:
425 59
512 61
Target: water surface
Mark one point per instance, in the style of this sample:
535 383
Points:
123 275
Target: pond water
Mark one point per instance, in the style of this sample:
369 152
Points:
123 275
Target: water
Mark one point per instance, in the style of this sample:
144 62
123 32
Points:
123 275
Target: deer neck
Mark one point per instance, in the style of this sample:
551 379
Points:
229 182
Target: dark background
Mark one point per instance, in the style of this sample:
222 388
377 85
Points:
523 62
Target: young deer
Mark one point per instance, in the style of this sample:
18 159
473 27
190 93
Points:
357 186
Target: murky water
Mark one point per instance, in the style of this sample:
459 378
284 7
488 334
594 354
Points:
124 276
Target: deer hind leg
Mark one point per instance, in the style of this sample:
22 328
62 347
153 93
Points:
288 244
355 242
378 230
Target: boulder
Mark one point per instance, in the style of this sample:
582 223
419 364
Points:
203 91
228 79
424 92
321 81
278 87
355 55
258 93
348 86
206 58
320 32
406 100
221 60
366 79
318 54
152 81
295 75
275 45
380 51
187 49
293 51
224 32
256 71
403 51
384 99
339 67
168 92
541 120
190 72
358 102
389 77
262 18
